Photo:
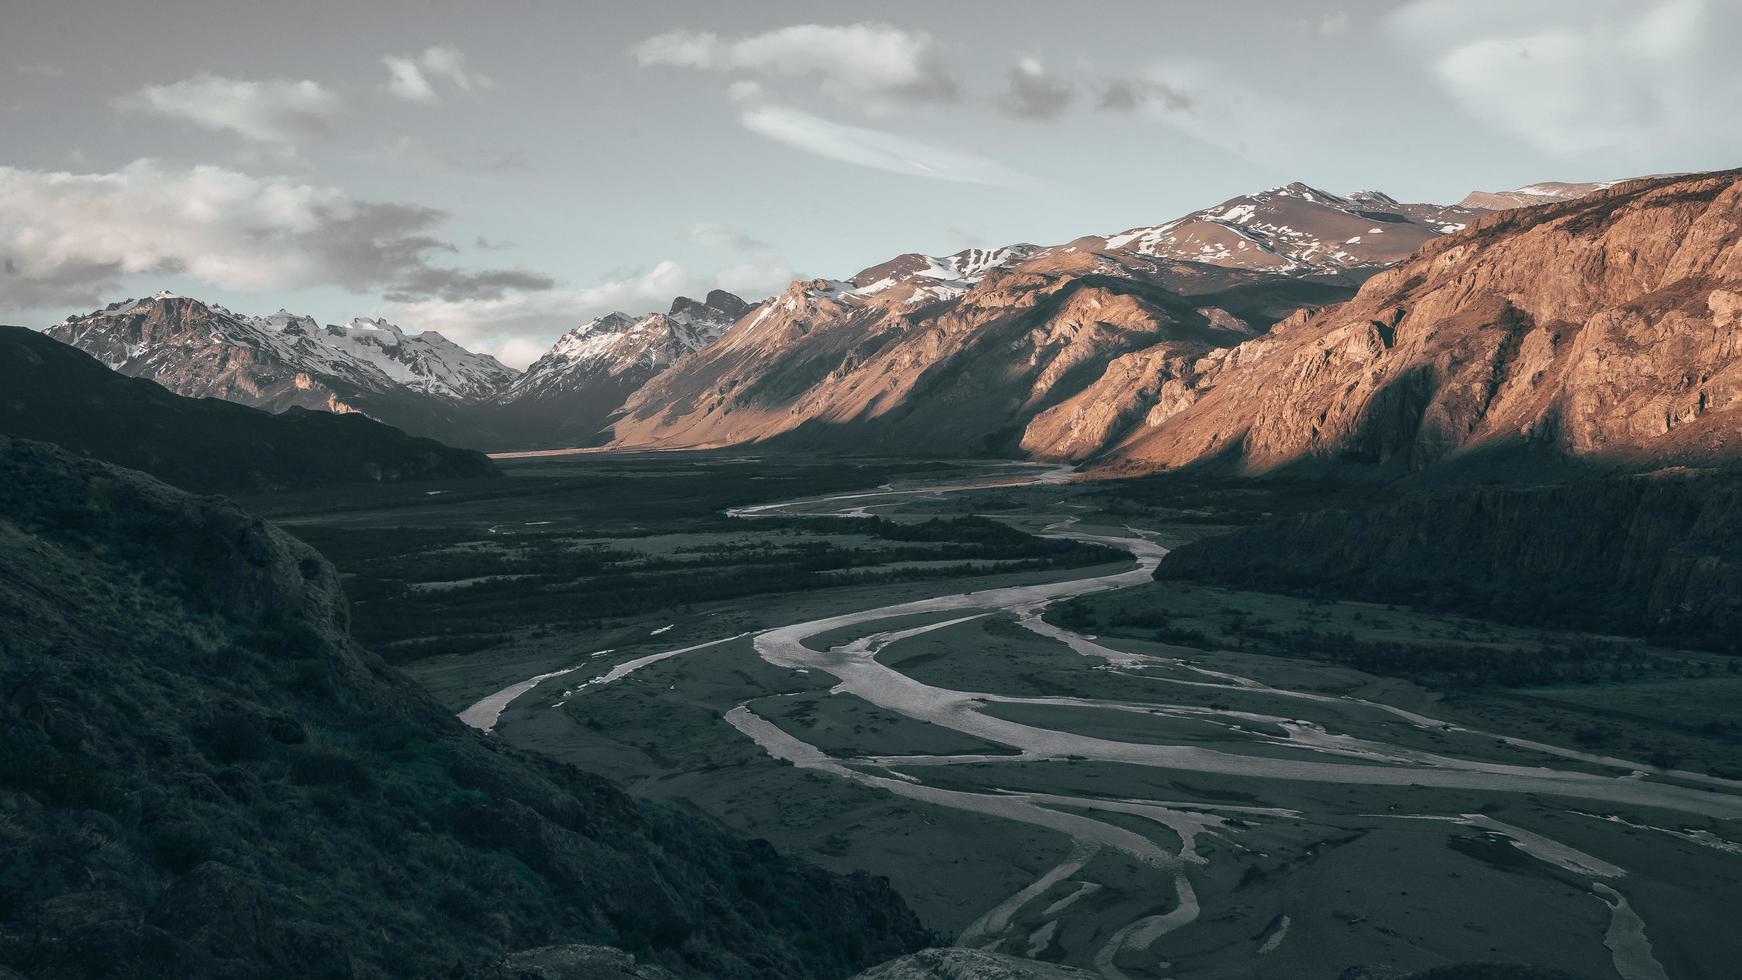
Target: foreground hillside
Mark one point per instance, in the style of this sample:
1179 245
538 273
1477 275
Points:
54 393
1604 328
205 777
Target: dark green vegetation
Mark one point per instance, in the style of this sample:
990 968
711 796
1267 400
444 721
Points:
1658 556
634 539
56 393
204 776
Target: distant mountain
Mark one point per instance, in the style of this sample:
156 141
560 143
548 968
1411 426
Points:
420 383
568 395
205 777
947 354
1606 328
961 353
954 353
1295 229
426 362
1530 195
54 393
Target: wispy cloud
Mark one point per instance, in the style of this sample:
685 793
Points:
1579 76
276 111
755 269
869 65
413 78
876 148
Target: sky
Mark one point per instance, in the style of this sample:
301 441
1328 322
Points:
502 172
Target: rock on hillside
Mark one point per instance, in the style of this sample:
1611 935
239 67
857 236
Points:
204 777
54 393
956 963
1607 328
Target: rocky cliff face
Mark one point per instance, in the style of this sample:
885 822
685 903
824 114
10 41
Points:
51 392
1605 328
204 777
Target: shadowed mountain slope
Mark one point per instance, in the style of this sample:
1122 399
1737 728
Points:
55 393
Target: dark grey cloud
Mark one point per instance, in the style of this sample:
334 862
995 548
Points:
1132 94
70 238
458 285
1034 92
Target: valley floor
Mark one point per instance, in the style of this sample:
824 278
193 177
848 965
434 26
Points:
1047 752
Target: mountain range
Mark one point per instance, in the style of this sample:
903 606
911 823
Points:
55 393
1280 326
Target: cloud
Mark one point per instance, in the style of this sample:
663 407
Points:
69 238
1035 93
278 111
873 66
1580 76
758 269
457 285
1331 25
715 235
38 70
877 149
1132 94
412 77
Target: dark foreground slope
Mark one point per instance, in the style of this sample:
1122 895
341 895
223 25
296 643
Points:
56 393
1657 555
203 776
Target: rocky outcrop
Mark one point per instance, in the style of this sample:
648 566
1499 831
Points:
575 963
1657 555
204 777
52 392
1606 328
956 963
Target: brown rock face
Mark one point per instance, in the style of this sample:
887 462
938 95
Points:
947 355
1607 327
